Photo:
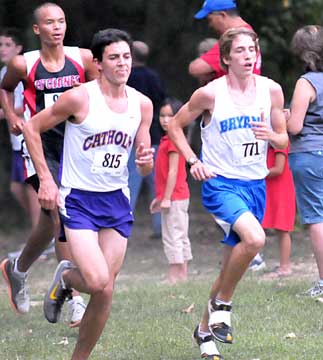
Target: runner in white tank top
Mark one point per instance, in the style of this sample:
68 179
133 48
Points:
105 119
229 146
45 74
241 113
103 141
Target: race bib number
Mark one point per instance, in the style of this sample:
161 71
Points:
112 163
50 99
248 153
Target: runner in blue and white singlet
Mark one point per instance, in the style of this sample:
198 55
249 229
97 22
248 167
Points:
241 112
229 147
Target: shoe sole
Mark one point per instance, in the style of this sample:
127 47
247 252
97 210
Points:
9 288
221 339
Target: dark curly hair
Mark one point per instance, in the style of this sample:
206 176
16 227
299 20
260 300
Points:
104 38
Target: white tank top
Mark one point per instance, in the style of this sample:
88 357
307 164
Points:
96 152
229 147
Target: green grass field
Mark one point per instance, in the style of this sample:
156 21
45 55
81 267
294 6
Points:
149 320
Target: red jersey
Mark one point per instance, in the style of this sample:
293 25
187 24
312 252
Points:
212 57
181 190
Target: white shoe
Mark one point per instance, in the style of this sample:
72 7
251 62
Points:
77 309
257 263
315 291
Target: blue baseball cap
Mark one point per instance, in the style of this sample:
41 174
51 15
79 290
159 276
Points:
214 5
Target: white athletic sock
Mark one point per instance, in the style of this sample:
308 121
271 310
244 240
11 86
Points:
258 257
321 282
220 302
16 271
203 334
77 298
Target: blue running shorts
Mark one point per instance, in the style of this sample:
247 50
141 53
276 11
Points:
227 199
97 210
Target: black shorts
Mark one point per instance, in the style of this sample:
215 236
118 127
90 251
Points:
53 166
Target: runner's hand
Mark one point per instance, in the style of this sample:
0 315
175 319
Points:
48 194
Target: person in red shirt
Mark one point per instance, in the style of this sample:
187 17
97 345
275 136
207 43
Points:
172 198
221 16
280 206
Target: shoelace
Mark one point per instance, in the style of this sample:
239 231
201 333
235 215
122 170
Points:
66 293
23 289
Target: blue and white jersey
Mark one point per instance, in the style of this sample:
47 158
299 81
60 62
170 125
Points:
229 147
96 152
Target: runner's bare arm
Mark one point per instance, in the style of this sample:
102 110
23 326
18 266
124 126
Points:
201 101
279 136
144 151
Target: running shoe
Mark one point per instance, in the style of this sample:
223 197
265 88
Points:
17 287
57 293
207 346
220 321
315 291
257 263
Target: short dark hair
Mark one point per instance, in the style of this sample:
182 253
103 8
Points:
12 33
104 38
227 38
307 45
39 7
230 12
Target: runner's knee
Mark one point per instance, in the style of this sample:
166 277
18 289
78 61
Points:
97 282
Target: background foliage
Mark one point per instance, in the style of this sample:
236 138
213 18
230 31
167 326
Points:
173 34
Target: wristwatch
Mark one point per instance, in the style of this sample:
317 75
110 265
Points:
192 160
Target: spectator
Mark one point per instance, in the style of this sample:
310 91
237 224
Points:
280 207
221 16
305 126
172 198
148 82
